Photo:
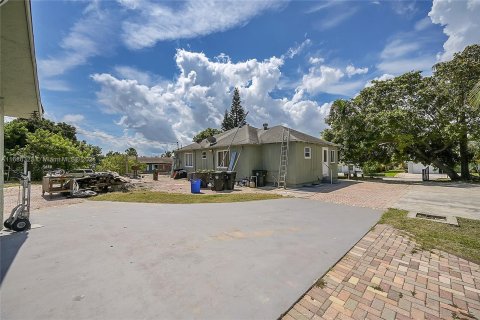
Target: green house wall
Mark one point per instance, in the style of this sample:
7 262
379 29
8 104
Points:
267 157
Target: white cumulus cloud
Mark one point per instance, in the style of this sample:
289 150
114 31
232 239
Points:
109 142
132 73
383 77
177 110
326 79
73 118
315 60
351 70
461 21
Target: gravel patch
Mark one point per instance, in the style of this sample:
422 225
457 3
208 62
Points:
37 200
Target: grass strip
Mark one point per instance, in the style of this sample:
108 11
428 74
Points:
180 198
462 241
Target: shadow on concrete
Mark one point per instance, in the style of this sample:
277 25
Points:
53 197
9 247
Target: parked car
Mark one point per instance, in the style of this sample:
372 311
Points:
80 173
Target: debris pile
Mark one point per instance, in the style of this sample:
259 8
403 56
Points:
85 186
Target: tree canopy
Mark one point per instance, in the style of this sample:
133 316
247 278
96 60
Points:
52 150
205 134
411 117
120 163
131 152
47 145
236 116
166 154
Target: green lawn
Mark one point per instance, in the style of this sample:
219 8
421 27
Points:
178 198
463 241
393 173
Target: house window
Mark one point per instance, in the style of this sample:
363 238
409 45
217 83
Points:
204 154
307 152
188 159
223 158
325 155
332 156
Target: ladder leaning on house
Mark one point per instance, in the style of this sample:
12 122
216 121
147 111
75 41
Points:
282 169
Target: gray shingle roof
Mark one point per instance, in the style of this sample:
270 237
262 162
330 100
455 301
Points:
154 160
251 135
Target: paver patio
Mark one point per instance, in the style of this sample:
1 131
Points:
368 194
385 276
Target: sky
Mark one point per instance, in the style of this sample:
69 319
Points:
148 74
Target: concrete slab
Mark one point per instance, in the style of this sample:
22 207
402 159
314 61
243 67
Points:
433 217
447 199
103 260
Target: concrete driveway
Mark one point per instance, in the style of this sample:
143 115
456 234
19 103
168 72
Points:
447 198
104 260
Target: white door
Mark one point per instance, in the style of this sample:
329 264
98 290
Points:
325 169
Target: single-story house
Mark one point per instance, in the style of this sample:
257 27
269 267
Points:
162 164
416 167
348 168
310 159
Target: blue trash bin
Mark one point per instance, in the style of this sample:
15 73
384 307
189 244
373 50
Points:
195 185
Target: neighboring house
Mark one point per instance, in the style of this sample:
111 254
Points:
415 167
162 164
348 168
310 159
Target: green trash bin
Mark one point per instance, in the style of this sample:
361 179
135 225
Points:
217 180
261 177
230 180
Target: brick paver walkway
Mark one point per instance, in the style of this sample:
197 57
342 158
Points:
385 276
378 195
370 194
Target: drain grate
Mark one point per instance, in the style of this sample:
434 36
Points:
434 217
431 217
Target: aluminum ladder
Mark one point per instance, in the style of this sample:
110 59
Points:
282 169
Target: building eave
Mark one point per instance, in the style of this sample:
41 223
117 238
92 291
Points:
19 85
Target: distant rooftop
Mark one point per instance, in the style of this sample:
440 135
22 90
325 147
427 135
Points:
154 160
248 135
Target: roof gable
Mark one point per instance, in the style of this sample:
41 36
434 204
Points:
155 160
248 135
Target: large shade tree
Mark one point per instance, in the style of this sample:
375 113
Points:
411 117
52 150
459 77
47 145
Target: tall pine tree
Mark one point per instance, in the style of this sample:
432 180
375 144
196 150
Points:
237 113
227 122
236 116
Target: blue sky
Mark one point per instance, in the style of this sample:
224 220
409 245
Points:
148 74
